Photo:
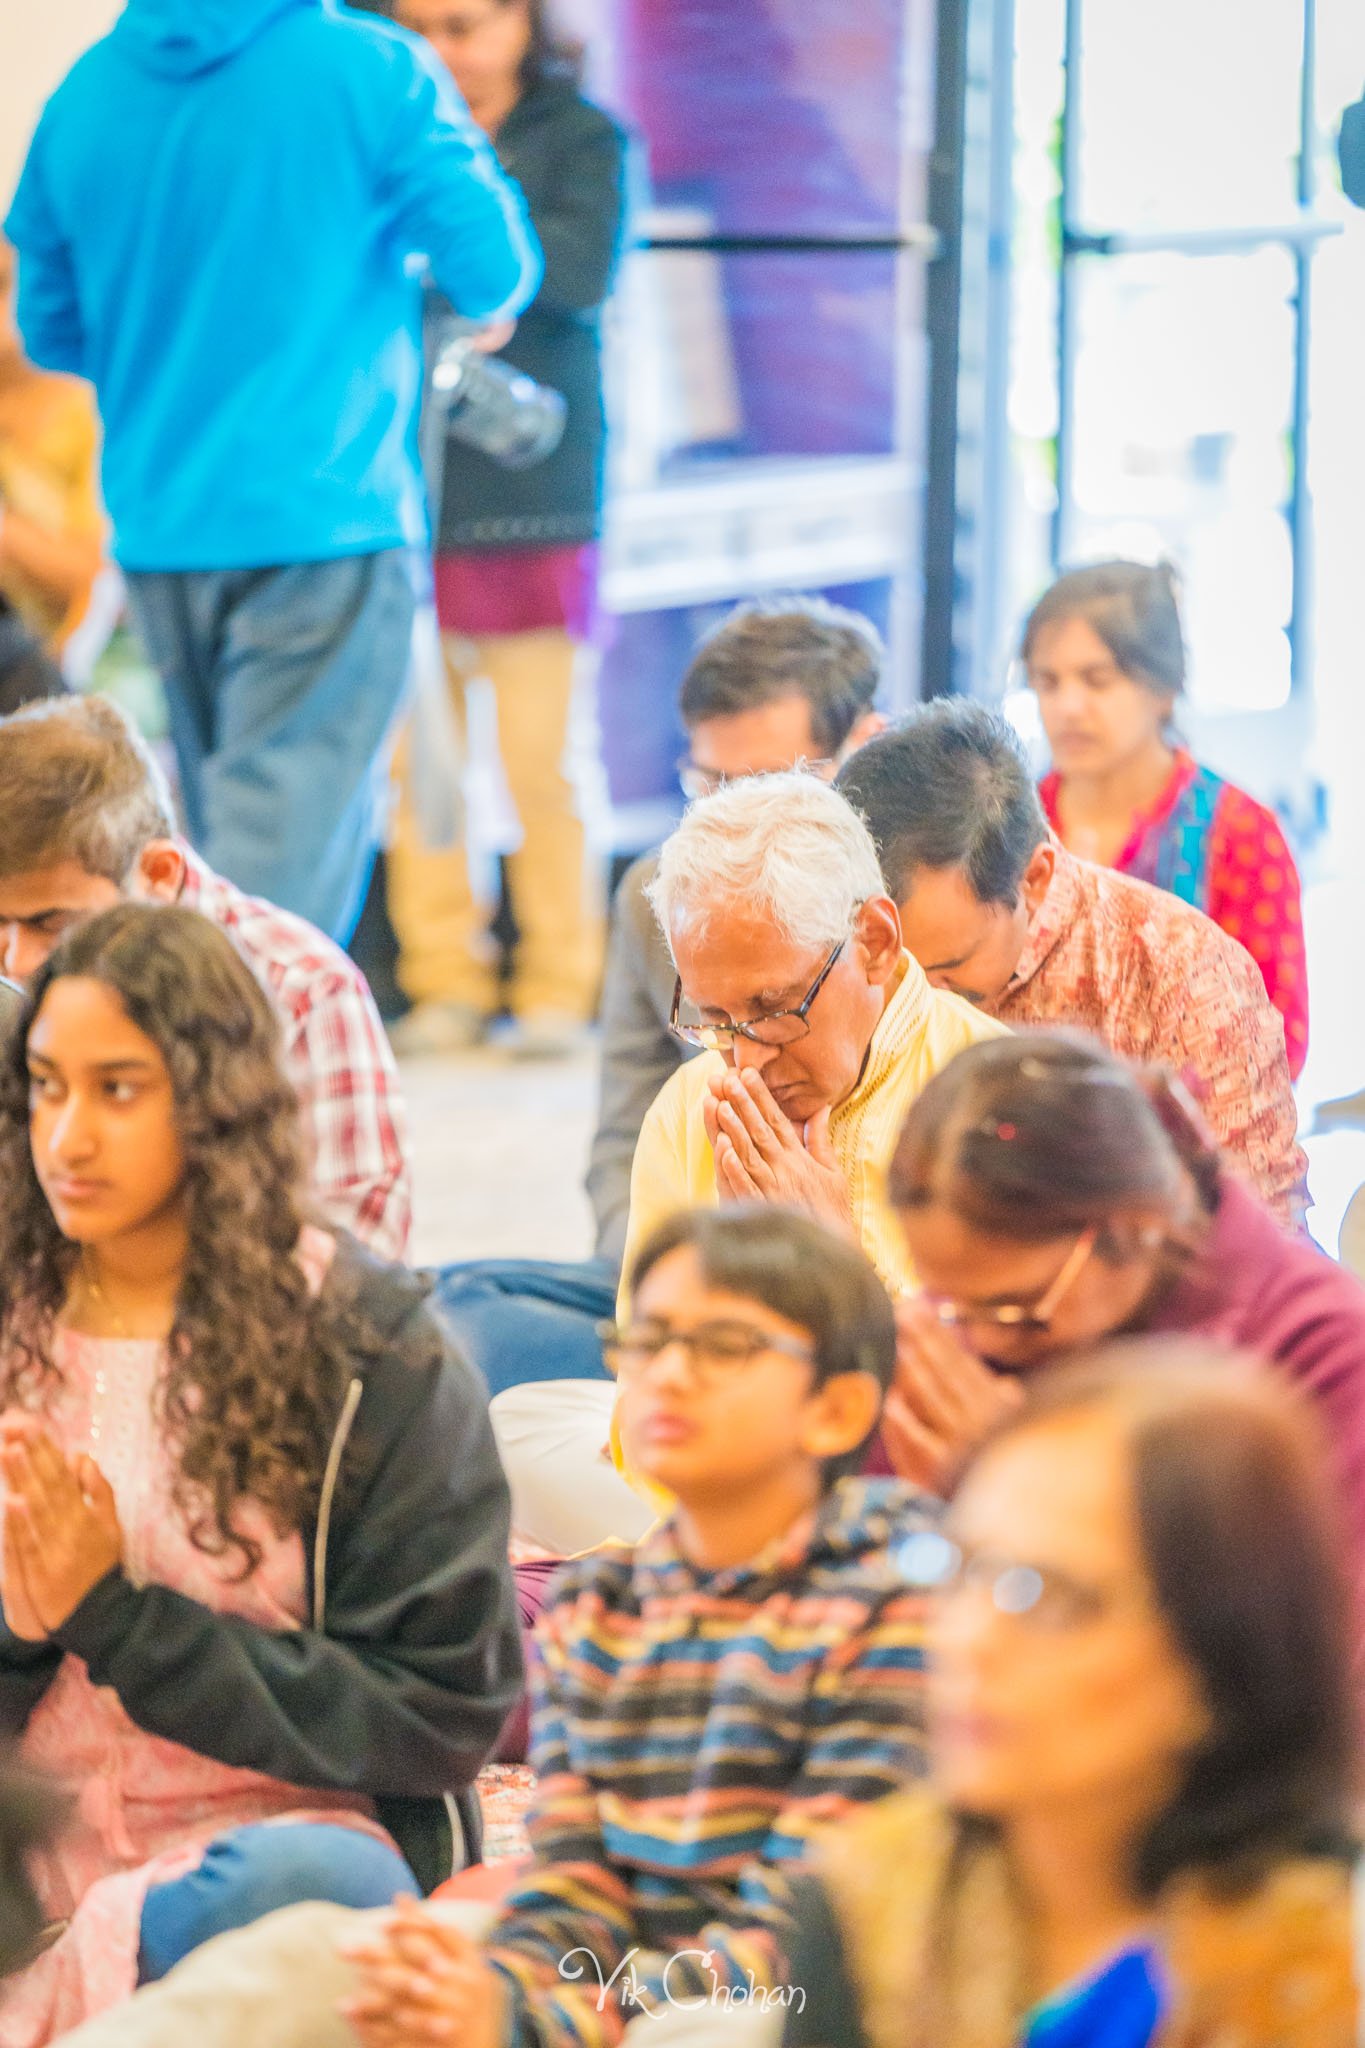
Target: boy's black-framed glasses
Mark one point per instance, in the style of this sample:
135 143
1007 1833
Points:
713 1350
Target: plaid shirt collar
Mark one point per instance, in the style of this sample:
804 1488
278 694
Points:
203 889
335 1053
196 879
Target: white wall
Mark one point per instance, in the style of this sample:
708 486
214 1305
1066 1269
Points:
39 39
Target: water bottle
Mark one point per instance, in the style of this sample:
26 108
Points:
490 406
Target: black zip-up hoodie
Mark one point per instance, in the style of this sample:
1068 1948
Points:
400 1687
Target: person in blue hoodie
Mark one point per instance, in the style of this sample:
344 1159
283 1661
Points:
223 222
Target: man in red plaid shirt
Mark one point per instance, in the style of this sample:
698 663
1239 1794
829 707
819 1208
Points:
86 821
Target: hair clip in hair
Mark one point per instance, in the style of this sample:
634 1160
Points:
998 1128
1073 1071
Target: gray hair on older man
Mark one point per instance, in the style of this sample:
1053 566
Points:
785 846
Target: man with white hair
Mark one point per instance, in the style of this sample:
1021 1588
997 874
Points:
818 1031
820 1028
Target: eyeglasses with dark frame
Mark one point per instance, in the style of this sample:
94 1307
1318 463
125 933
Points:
713 1350
1035 1317
780 1027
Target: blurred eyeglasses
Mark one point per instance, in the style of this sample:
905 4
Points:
779 1027
1044 1597
1035 1317
713 1350
699 782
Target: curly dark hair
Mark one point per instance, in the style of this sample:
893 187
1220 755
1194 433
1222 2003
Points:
256 1362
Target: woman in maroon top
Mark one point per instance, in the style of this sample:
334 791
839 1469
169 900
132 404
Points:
1051 1197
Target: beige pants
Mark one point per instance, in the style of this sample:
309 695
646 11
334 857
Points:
277 1983
555 883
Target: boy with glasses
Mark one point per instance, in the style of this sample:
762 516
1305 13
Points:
750 1673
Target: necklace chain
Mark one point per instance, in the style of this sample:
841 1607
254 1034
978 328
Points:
102 1301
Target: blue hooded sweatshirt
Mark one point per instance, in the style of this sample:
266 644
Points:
220 224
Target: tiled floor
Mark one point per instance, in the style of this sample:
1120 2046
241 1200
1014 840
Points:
499 1152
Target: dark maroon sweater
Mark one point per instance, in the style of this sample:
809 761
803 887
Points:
1281 1299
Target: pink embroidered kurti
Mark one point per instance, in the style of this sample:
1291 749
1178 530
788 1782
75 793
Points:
145 1807
1214 846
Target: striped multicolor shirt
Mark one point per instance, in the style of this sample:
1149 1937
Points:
691 1733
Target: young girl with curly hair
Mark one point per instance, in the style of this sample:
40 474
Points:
254 1528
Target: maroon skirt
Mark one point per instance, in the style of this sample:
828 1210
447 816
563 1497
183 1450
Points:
486 591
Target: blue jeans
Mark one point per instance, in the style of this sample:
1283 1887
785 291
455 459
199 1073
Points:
282 686
520 1320
257 1870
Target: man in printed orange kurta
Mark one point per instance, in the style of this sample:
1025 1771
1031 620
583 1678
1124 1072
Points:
995 909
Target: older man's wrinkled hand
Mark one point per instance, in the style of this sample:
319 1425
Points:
761 1156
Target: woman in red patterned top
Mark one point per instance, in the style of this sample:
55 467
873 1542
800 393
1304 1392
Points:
1106 660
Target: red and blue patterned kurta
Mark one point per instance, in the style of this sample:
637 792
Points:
1212 845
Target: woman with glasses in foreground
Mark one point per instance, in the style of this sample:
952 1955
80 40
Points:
1137 1828
1051 1197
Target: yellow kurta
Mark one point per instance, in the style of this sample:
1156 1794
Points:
921 1030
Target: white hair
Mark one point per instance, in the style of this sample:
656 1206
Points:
787 847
